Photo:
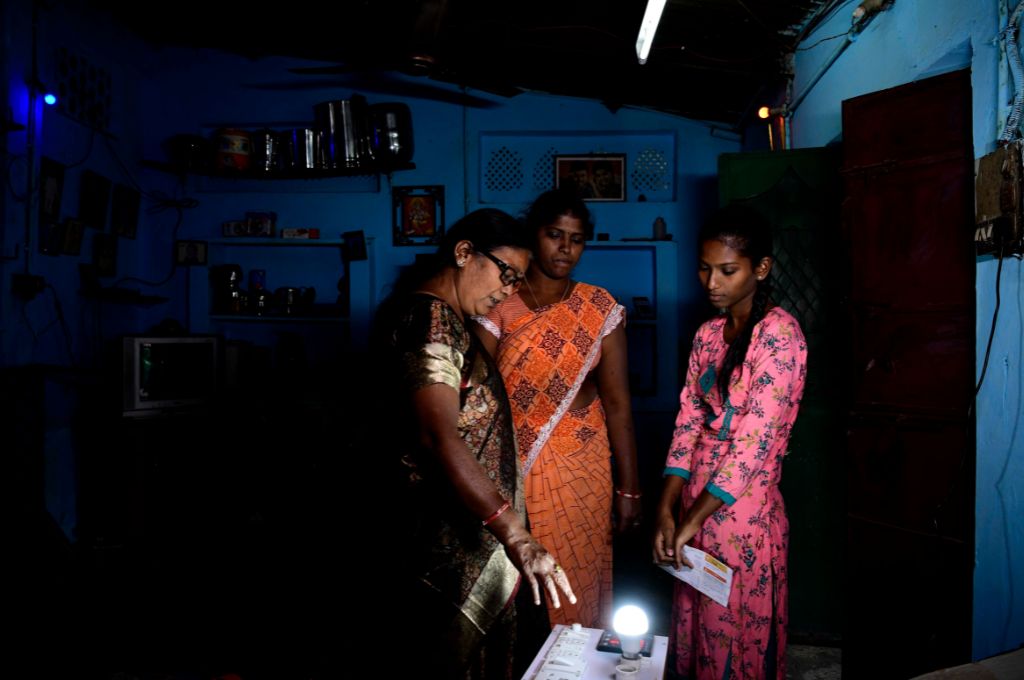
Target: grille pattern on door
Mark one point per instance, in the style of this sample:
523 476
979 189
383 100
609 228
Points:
797 283
504 171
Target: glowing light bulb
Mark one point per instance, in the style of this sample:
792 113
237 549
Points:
763 112
50 99
630 620
631 624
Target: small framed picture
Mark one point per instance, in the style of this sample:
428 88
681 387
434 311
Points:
418 214
190 253
597 177
51 187
260 223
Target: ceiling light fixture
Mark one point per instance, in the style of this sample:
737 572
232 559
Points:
648 27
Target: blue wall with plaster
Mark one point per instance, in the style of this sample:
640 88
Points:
162 92
910 41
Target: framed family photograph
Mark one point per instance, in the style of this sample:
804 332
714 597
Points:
418 214
597 177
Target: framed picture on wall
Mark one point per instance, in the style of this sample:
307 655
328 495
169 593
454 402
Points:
418 214
597 177
190 253
51 188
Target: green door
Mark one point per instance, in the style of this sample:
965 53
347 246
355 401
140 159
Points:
798 192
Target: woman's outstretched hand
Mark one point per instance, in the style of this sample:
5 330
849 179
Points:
538 566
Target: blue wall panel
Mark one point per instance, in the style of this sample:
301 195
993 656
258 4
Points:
909 41
515 167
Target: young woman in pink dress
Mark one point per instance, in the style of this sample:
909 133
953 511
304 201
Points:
737 407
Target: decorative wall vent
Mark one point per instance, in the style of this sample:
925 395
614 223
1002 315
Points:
517 166
544 171
83 90
504 170
651 172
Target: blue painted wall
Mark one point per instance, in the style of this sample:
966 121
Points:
162 92
910 41
158 93
33 332
196 92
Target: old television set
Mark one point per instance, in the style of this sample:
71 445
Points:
163 374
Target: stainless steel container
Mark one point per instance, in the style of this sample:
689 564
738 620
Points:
302 149
390 133
343 123
266 151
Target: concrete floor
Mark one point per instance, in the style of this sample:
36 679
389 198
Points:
807 662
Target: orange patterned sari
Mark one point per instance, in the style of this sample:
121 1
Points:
544 355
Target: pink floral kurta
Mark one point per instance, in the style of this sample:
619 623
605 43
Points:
735 450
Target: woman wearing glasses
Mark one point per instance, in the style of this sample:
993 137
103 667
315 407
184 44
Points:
561 347
456 544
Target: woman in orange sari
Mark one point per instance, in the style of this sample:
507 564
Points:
561 348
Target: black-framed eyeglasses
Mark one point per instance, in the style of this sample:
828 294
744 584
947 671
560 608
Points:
509 275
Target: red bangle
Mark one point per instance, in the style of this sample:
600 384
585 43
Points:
628 495
497 512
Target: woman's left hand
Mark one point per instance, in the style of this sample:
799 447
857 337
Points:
629 513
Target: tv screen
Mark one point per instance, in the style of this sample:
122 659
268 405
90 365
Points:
169 373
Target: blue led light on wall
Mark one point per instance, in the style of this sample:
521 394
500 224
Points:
50 99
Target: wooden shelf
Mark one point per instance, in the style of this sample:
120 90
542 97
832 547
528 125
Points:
317 173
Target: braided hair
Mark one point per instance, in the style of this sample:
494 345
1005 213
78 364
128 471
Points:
748 233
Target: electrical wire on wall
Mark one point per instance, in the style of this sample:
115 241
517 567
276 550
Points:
161 202
859 20
992 329
1008 36
30 133
58 319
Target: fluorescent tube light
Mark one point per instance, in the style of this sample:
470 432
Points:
648 27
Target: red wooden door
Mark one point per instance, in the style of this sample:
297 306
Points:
909 303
